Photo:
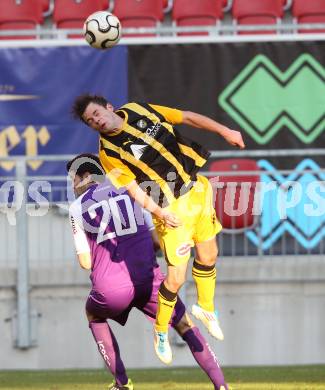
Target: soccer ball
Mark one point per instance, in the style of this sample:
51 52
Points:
102 30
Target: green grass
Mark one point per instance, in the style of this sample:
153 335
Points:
252 378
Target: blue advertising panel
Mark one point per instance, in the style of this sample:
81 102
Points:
37 89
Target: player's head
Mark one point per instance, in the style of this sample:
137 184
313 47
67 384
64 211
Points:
84 170
96 112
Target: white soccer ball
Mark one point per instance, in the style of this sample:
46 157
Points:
102 30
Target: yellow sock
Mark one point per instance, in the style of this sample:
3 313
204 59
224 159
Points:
166 304
205 280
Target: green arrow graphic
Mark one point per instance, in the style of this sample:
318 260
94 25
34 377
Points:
263 100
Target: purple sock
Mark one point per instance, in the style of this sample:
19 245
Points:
205 357
109 349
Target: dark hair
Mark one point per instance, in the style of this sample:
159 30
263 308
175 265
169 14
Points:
82 101
85 162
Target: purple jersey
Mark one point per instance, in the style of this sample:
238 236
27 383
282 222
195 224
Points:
110 226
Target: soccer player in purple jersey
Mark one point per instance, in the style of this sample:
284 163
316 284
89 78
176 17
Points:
115 239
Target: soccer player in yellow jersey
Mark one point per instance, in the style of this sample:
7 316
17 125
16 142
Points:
141 150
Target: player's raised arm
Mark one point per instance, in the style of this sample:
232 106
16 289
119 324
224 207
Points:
233 137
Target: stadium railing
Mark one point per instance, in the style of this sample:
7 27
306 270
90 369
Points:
283 28
41 203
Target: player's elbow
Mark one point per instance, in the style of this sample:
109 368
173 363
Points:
84 260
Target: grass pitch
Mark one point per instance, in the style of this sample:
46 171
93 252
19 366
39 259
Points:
252 378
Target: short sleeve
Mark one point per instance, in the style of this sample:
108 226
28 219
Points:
172 115
119 174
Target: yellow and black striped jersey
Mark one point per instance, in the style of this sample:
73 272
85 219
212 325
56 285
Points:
151 151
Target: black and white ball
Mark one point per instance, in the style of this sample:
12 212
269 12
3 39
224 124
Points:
102 30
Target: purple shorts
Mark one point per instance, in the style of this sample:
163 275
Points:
116 304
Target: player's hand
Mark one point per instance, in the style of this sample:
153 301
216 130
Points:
234 137
170 219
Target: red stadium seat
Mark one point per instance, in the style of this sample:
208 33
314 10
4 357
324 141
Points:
72 13
167 5
20 15
257 12
287 4
48 6
226 5
196 13
135 13
45 5
311 11
235 192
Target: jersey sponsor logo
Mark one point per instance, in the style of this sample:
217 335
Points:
151 132
183 249
138 150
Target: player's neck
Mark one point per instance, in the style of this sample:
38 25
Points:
114 131
91 183
86 188
116 128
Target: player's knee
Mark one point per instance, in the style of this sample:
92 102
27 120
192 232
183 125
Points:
213 253
209 258
174 283
176 277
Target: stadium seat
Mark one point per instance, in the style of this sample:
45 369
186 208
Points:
20 15
48 6
45 5
226 5
257 12
72 13
287 4
196 13
235 191
311 11
167 5
135 13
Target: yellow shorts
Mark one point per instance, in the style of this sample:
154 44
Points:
199 223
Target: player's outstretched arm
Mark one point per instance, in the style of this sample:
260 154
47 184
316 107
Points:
233 137
136 192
